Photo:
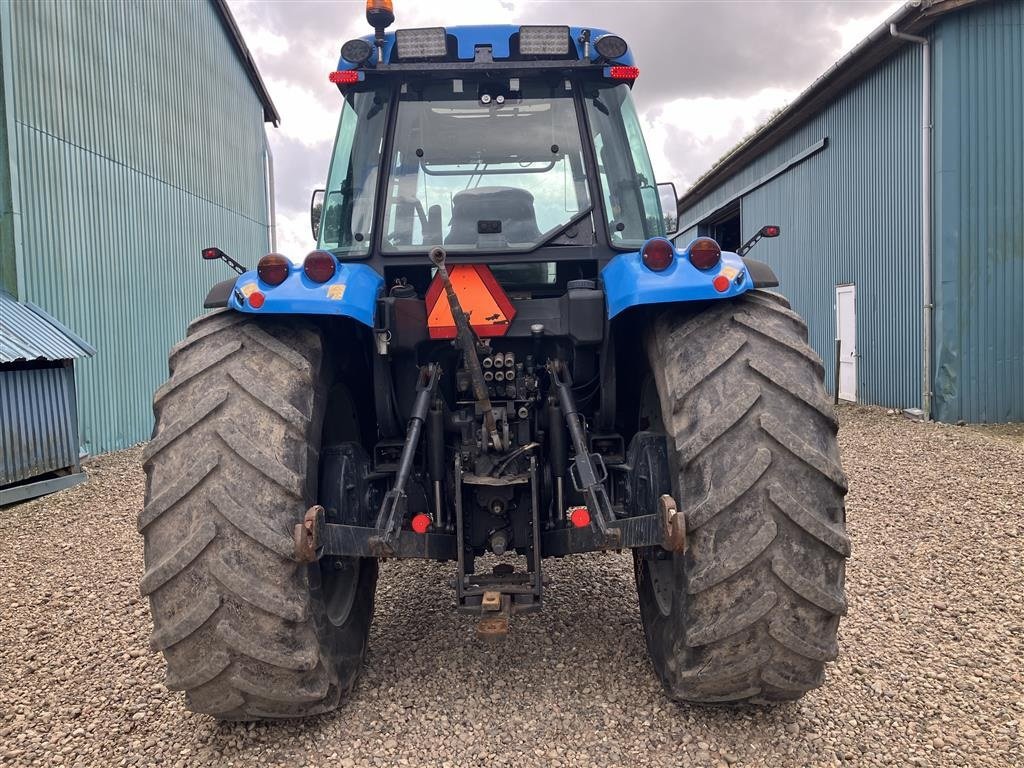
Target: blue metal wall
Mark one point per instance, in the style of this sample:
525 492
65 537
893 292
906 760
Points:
137 140
850 213
38 425
979 223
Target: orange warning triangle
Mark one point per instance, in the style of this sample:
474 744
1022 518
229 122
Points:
482 298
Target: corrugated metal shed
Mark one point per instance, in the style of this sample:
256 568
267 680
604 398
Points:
28 333
122 174
39 440
840 171
979 214
850 213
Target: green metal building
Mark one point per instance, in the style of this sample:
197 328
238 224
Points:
898 180
131 136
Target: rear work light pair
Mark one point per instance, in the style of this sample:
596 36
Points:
274 268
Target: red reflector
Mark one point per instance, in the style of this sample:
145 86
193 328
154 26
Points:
658 254
705 253
273 269
624 73
721 283
319 266
421 523
344 77
579 517
256 299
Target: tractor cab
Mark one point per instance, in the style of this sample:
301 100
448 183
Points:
505 145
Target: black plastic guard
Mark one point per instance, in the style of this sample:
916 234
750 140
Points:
219 294
761 273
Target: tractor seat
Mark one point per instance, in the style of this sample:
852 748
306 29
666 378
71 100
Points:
512 207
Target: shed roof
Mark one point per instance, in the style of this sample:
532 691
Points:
912 17
270 114
28 333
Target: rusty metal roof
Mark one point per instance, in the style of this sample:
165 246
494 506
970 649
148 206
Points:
28 333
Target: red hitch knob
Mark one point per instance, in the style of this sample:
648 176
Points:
579 517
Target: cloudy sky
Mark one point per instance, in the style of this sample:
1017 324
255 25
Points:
711 70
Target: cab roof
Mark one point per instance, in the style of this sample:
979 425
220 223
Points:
464 43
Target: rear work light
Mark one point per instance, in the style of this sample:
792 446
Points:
357 51
428 43
319 266
544 41
345 77
611 46
622 73
273 269
658 254
705 253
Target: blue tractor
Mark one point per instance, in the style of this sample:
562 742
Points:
496 355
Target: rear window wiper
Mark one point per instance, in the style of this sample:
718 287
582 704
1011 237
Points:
554 234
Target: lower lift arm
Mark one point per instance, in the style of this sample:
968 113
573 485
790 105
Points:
392 509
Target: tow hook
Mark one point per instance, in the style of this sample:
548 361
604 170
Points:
674 524
306 535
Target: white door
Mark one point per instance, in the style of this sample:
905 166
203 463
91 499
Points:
846 332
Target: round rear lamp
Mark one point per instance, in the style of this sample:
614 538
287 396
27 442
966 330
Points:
611 46
357 51
705 253
273 269
319 266
658 254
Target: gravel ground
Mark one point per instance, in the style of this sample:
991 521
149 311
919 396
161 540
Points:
930 671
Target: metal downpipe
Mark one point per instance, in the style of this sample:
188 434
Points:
926 216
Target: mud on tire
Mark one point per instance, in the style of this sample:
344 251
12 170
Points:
751 610
230 470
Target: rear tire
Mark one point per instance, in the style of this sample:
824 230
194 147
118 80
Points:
751 610
247 631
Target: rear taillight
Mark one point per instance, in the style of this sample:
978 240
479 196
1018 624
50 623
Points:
273 269
344 77
658 254
705 253
622 73
319 266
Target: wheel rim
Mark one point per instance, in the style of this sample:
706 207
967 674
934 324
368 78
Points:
340 580
661 575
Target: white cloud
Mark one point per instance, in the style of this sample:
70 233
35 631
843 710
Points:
686 136
265 42
852 31
294 238
306 117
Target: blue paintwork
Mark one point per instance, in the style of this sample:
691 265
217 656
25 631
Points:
298 295
628 283
497 36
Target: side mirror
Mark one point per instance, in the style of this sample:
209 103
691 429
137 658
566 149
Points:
669 206
316 212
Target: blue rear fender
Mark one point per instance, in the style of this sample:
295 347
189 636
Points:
629 283
352 292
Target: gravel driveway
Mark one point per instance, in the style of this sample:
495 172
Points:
930 669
